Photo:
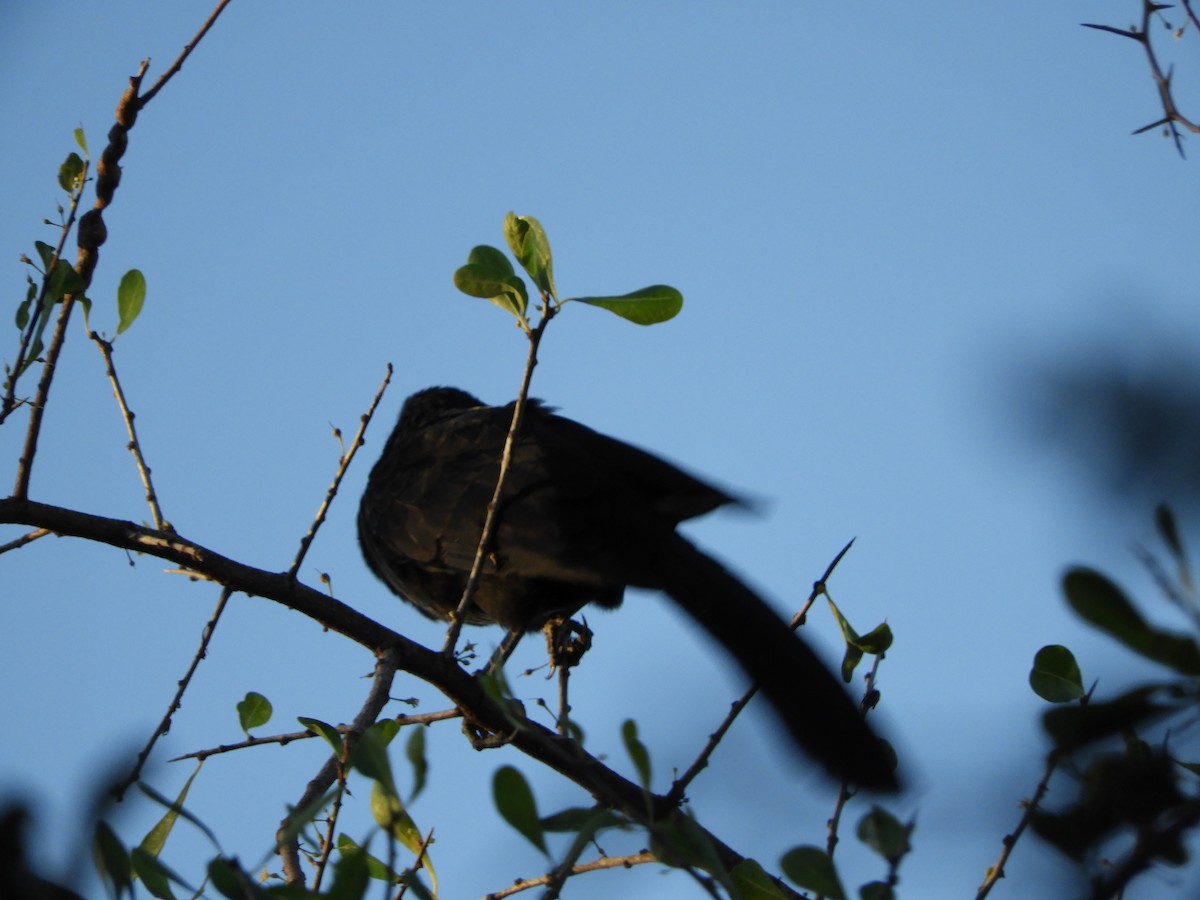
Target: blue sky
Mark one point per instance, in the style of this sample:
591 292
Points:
881 218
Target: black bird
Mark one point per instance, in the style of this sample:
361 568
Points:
583 516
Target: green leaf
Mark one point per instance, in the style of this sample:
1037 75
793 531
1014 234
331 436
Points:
63 280
637 752
876 890
233 882
70 173
1103 604
577 818
647 306
81 140
489 274
112 860
175 807
46 252
516 804
370 756
389 812
753 883
351 874
813 870
1055 675
884 833
324 730
415 751
156 837
154 875
253 710
131 294
529 244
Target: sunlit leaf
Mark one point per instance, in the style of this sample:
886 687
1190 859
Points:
331 735
253 710
70 172
647 306
529 244
131 295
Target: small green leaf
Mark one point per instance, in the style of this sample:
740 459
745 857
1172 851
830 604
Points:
576 818
415 751
753 882
233 882
637 752
175 808
647 306
112 860
516 804
813 870
63 280
370 756
81 140
156 837
506 291
331 735
390 813
23 314
46 252
1055 675
351 873
70 173
131 294
253 710
1105 606
884 833
154 875
529 244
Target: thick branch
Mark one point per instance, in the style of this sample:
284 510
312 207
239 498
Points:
536 741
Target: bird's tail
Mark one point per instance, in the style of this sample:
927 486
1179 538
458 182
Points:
810 701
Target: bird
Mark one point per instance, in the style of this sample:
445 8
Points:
582 517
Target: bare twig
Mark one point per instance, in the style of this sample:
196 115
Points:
164 726
343 465
184 54
285 739
1172 118
996 871
596 865
675 795
24 539
493 510
135 446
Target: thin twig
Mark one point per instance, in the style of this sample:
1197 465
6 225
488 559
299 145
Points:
596 865
343 465
25 539
165 725
184 54
493 509
285 739
675 795
135 446
996 871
